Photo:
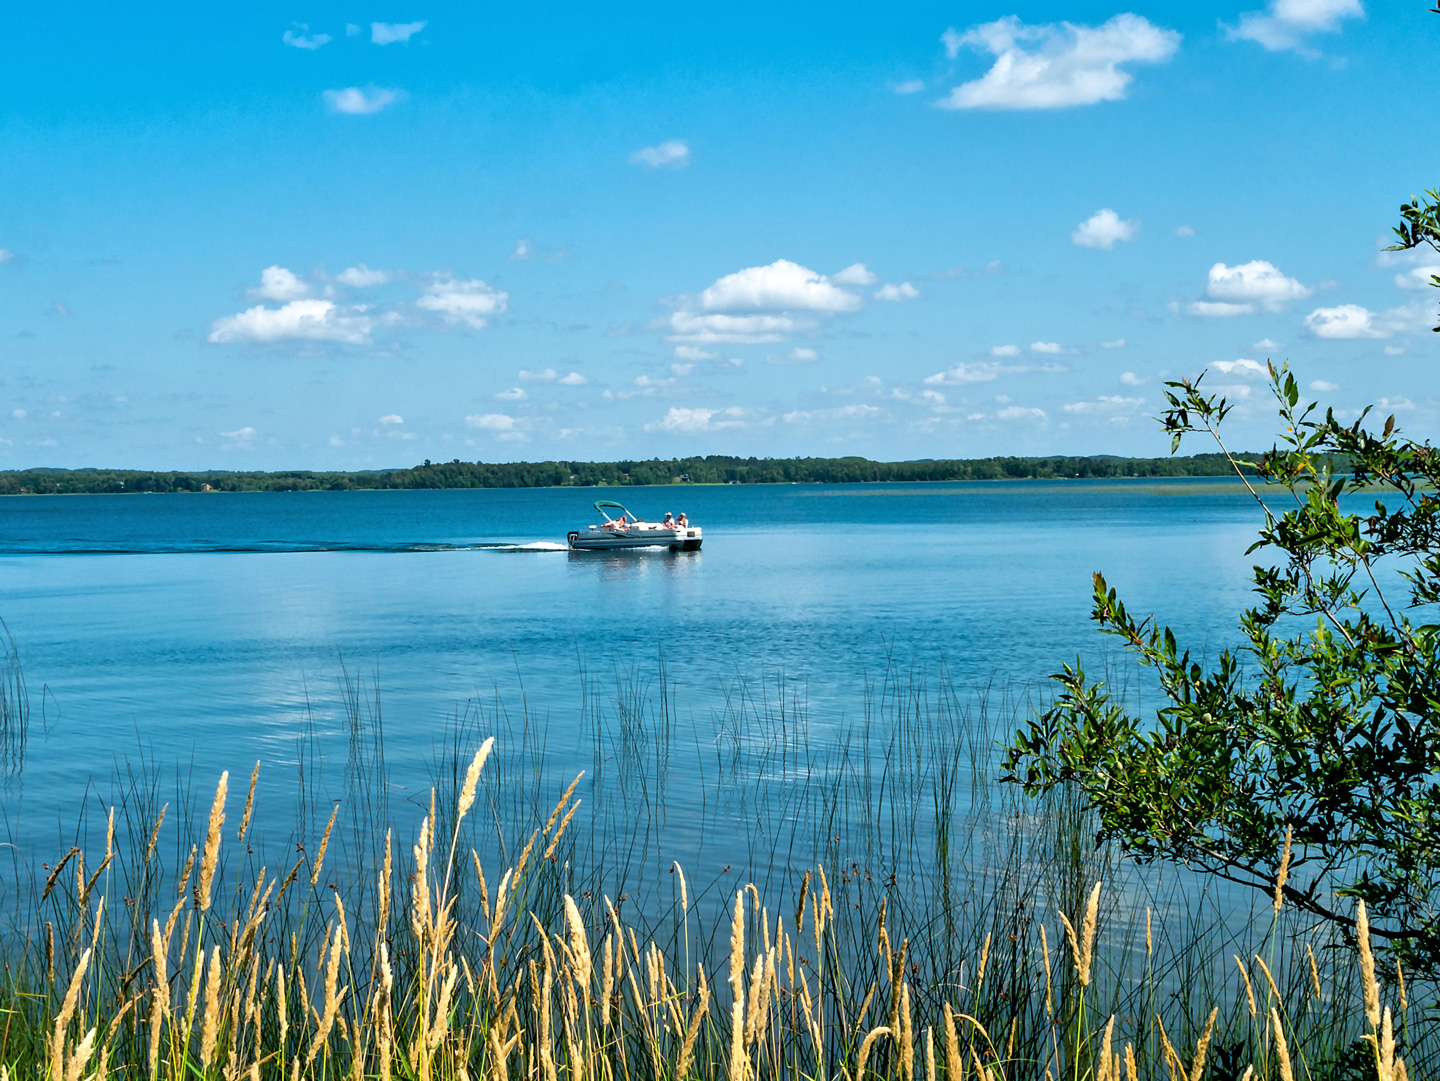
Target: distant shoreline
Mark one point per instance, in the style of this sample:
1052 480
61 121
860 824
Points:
710 470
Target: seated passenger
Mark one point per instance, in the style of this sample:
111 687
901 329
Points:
668 522
682 522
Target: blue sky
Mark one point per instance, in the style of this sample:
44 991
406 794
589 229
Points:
349 236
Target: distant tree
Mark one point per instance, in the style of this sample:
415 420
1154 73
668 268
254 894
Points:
1420 224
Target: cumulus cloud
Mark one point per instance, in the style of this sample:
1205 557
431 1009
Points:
731 329
1103 229
1130 379
844 412
360 102
855 274
961 373
691 352
1323 386
910 86
795 356
550 375
391 33
671 154
1106 403
1184 232
901 292
1115 343
1237 290
392 418
1268 343
1005 351
1020 412
470 302
780 286
299 320
524 250
305 39
682 419
1056 65
1420 277
1344 321
1218 309
277 283
1051 348
514 394
1287 24
361 276
243 435
7 256
1243 368
492 422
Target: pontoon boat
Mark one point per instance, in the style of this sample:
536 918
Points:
626 530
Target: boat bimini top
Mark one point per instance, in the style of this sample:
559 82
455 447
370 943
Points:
604 506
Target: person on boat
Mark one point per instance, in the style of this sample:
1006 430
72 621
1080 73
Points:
621 523
668 522
682 521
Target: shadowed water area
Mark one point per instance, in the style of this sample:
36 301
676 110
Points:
815 683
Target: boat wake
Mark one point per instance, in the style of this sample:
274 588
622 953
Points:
532 546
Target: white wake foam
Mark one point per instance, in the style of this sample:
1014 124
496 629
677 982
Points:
532 546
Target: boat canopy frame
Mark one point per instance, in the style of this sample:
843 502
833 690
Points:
602 504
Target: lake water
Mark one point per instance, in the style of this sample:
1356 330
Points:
201 633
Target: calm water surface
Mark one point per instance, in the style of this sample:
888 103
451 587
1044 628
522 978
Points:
200 632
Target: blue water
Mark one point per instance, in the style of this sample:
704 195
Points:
199 632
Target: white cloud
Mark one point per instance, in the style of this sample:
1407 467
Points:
1005 351
1344 321
1130 379
277 283
1420 277
469 302
19 414
1046 347
1267 344
357 102
910 86
901 292
1020 412
1106 403
795 356
961 373
390 33
780 286
671 154
1102 229
1284 24
735 329
392 418
1184 232
1243 368
681 419
844 412
855 274
679 370
1218 309
1116 343
549 375
574 379
492 422
690 352
514 394
300 320
1323 387
305 39
7 256
243 435
1056 65
524 250
1255 282
361 276
1394 350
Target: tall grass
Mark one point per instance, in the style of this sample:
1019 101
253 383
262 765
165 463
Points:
895 913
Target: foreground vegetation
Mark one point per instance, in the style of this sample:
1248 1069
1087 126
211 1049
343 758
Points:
433 966
713 469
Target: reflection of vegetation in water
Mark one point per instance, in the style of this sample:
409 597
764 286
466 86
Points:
903 918
14 706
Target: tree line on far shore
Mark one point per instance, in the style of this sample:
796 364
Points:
710 469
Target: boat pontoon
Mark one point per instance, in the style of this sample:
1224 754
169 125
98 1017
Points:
627 530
